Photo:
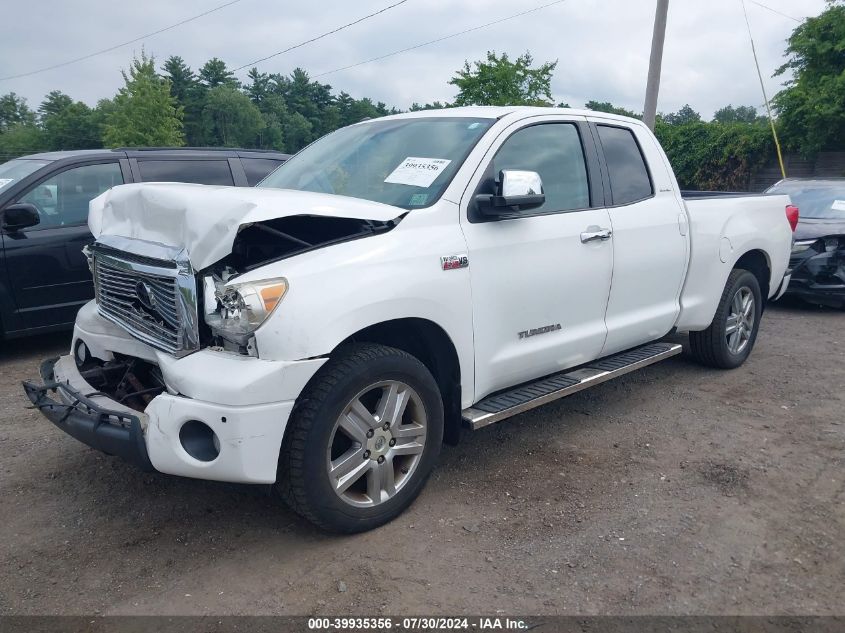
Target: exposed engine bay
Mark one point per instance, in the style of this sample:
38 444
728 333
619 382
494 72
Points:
130 381
271 240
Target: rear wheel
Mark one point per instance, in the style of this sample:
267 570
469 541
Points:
729 339
362 440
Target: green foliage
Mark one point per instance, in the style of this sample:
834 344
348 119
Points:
500 81
739 114
67 124
189 94
684 116
715 156
20 139
215 73
230 119
811 108
416 107
606 106
143 113
14 111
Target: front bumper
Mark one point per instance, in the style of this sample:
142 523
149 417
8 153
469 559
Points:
115 431
244 401
818 275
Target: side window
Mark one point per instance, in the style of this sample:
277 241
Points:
63 199
629 179
201 172
257 168
554 151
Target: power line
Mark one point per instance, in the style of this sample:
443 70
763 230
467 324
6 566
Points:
319 37
768 8
116 46
440 39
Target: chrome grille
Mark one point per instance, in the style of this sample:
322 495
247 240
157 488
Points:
154 300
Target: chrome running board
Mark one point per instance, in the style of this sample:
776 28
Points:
544 390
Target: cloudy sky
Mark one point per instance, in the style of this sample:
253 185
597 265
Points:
602 46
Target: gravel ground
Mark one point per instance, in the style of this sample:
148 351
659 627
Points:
673 490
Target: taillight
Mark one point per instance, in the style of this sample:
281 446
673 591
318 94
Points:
792 216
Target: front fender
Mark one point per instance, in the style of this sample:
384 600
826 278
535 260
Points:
343 289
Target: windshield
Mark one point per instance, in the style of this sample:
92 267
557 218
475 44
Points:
816 199
407 163
14 170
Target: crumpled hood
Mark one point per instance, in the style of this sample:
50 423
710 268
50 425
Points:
205 219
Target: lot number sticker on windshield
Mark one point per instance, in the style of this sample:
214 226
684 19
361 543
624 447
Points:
419 172
838 205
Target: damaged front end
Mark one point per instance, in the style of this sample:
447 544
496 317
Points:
818 270
232 311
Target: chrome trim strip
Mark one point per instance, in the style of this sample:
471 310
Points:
588 377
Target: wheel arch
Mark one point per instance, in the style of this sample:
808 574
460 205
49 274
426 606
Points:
757 262
432 346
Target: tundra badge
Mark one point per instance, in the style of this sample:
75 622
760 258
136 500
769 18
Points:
451 262
540 330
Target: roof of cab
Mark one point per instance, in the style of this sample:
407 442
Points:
498 112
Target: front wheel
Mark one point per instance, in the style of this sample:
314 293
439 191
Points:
362 439
729 339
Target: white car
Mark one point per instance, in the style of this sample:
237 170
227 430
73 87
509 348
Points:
328 330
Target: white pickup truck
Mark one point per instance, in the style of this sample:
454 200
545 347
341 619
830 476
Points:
328 330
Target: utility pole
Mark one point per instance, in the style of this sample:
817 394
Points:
654 63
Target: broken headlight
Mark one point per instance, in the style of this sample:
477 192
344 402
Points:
234 311
803 245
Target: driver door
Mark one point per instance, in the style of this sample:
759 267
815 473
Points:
539 290
47 271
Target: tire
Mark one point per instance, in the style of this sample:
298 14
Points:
335 426
716 346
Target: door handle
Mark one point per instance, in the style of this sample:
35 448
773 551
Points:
592 236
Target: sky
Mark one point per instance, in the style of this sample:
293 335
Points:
602 46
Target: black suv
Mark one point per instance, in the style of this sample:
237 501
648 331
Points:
44 211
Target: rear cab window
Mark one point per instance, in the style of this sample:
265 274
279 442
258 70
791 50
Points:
201 172
629 177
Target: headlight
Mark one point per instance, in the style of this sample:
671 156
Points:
800 247
234 311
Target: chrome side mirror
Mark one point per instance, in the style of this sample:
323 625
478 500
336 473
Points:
519 184
516 190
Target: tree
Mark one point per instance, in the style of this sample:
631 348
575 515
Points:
811 109
21 139
683 116
230 119
214 73
606 106
68 124
436 105
500 81
297 131
144 113
189 94
14 111
739 114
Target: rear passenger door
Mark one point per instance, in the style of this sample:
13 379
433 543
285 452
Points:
650 241
202 171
